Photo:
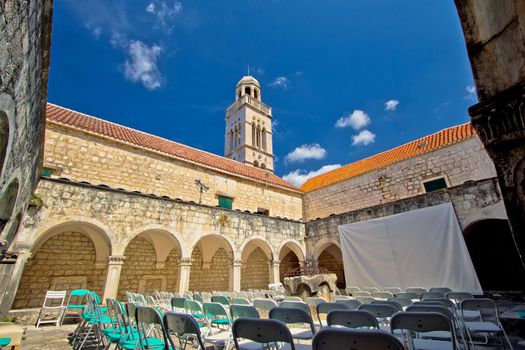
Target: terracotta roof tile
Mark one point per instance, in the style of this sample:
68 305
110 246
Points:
121 133
423 145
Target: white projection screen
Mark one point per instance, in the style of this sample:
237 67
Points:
419 248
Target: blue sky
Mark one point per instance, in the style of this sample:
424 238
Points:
345 79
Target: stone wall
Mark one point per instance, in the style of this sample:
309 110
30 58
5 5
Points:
288 262
255 272
65 262
82 157
212 276
25 35
472 201
141 273
464 161
333 265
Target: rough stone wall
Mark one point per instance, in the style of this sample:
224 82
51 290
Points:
461 162
472 201
290 261
141 274
208 277
81 157
329 262
64 262
255 272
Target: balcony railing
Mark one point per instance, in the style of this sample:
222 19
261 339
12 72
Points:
252 102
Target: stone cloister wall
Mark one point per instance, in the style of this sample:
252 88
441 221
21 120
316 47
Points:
80 156
145 243
460 162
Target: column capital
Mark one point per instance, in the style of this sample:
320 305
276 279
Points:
185 262
116 259
274 262
237 262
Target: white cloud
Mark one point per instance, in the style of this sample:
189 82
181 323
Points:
299 177
357 119
164 12
304 152
472 94
364 138
281 82
141 64
391 105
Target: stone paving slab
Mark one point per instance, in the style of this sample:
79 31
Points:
47 337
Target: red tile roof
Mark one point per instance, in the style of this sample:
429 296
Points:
121 133
423 145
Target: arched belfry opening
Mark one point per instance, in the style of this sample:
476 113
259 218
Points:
4 138
494 255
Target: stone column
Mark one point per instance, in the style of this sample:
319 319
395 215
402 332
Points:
275 272
237 266
115 263
185 270
10 276
500 123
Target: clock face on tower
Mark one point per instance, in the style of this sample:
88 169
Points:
248 137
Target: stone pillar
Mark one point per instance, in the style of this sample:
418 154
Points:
275 276
10 276
115 263
185 270
237 266
500 123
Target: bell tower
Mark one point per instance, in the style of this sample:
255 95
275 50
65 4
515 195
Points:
248 137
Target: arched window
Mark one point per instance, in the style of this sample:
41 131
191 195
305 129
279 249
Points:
248 90
253 134
239 136
255 163
239 93
230 141
263 166
4 137
263 135
258 136
256 93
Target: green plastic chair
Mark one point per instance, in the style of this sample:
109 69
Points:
80 296
4 341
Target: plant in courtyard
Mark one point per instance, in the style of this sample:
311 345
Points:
36 201
223 220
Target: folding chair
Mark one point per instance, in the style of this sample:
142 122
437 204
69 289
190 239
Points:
487 323
421 322
258 333
351 290
221 299
432 295
401 301
393 303
247 311
382 312
79 297
382 295
292 298
352 319
151 331
295 316
53 303
370 289
325 308
352 304
184 327
393 290
416 290
340 338
264 306
178 304
365 300
457 297
312 303
295 305
216 314
408 295
442 290
361 293
240 301
341 297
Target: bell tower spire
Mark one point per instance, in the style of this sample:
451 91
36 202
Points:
248 137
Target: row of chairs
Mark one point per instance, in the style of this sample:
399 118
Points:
57 306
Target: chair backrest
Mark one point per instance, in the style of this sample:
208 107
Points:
443 301
423 322
361 293
379 310
457 297
340 338
401 301
148 318
393 290
188 296
442 290
240 301
193 307
431 308
341 297
292 298
432 295
370 289
130 313
261 331
408 295
394 303
365 300
206 296
215 310
314 301
264 304
221 299
54 298
181 326
352 319
382 295
292 315
487 308
295 305
238 310
325 308
417 290
352 304
178 303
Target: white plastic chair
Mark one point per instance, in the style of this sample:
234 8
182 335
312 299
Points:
54 302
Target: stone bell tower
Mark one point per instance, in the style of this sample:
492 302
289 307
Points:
248 137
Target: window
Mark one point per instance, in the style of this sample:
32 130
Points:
47 172
435 184
263 211
225 202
